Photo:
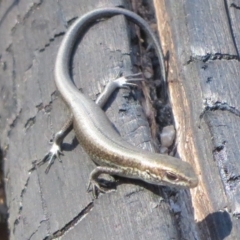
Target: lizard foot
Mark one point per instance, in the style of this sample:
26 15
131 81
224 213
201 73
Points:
126 81
50 157
95 187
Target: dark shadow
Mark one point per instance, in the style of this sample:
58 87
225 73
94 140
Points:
3 207
4 231
15 2
70 146
218 224
167 59
117 181
150 187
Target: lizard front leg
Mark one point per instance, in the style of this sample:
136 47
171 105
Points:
94 185
56 149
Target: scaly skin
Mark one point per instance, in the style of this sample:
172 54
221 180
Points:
93 129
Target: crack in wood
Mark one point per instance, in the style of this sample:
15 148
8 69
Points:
14 121
30 122
50 41
223 106
235 6
128 195
230 25
47 108
31 9
219 148
16 222
40 106
70 21
68 226
27 14
13 75
43 204
212 57
229 174
34 232
9 9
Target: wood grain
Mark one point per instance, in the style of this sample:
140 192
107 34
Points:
56 205
202 39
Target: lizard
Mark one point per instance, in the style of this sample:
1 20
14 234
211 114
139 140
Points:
94 131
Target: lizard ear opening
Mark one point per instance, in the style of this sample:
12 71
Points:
171 176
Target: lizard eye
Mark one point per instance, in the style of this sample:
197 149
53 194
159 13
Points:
171 176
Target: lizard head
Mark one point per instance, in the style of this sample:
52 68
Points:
169 171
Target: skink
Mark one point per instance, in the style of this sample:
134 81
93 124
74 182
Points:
93 129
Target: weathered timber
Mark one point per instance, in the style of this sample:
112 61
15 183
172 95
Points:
202 40
56 205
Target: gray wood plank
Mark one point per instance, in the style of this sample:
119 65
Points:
56 205
202 40
233 9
